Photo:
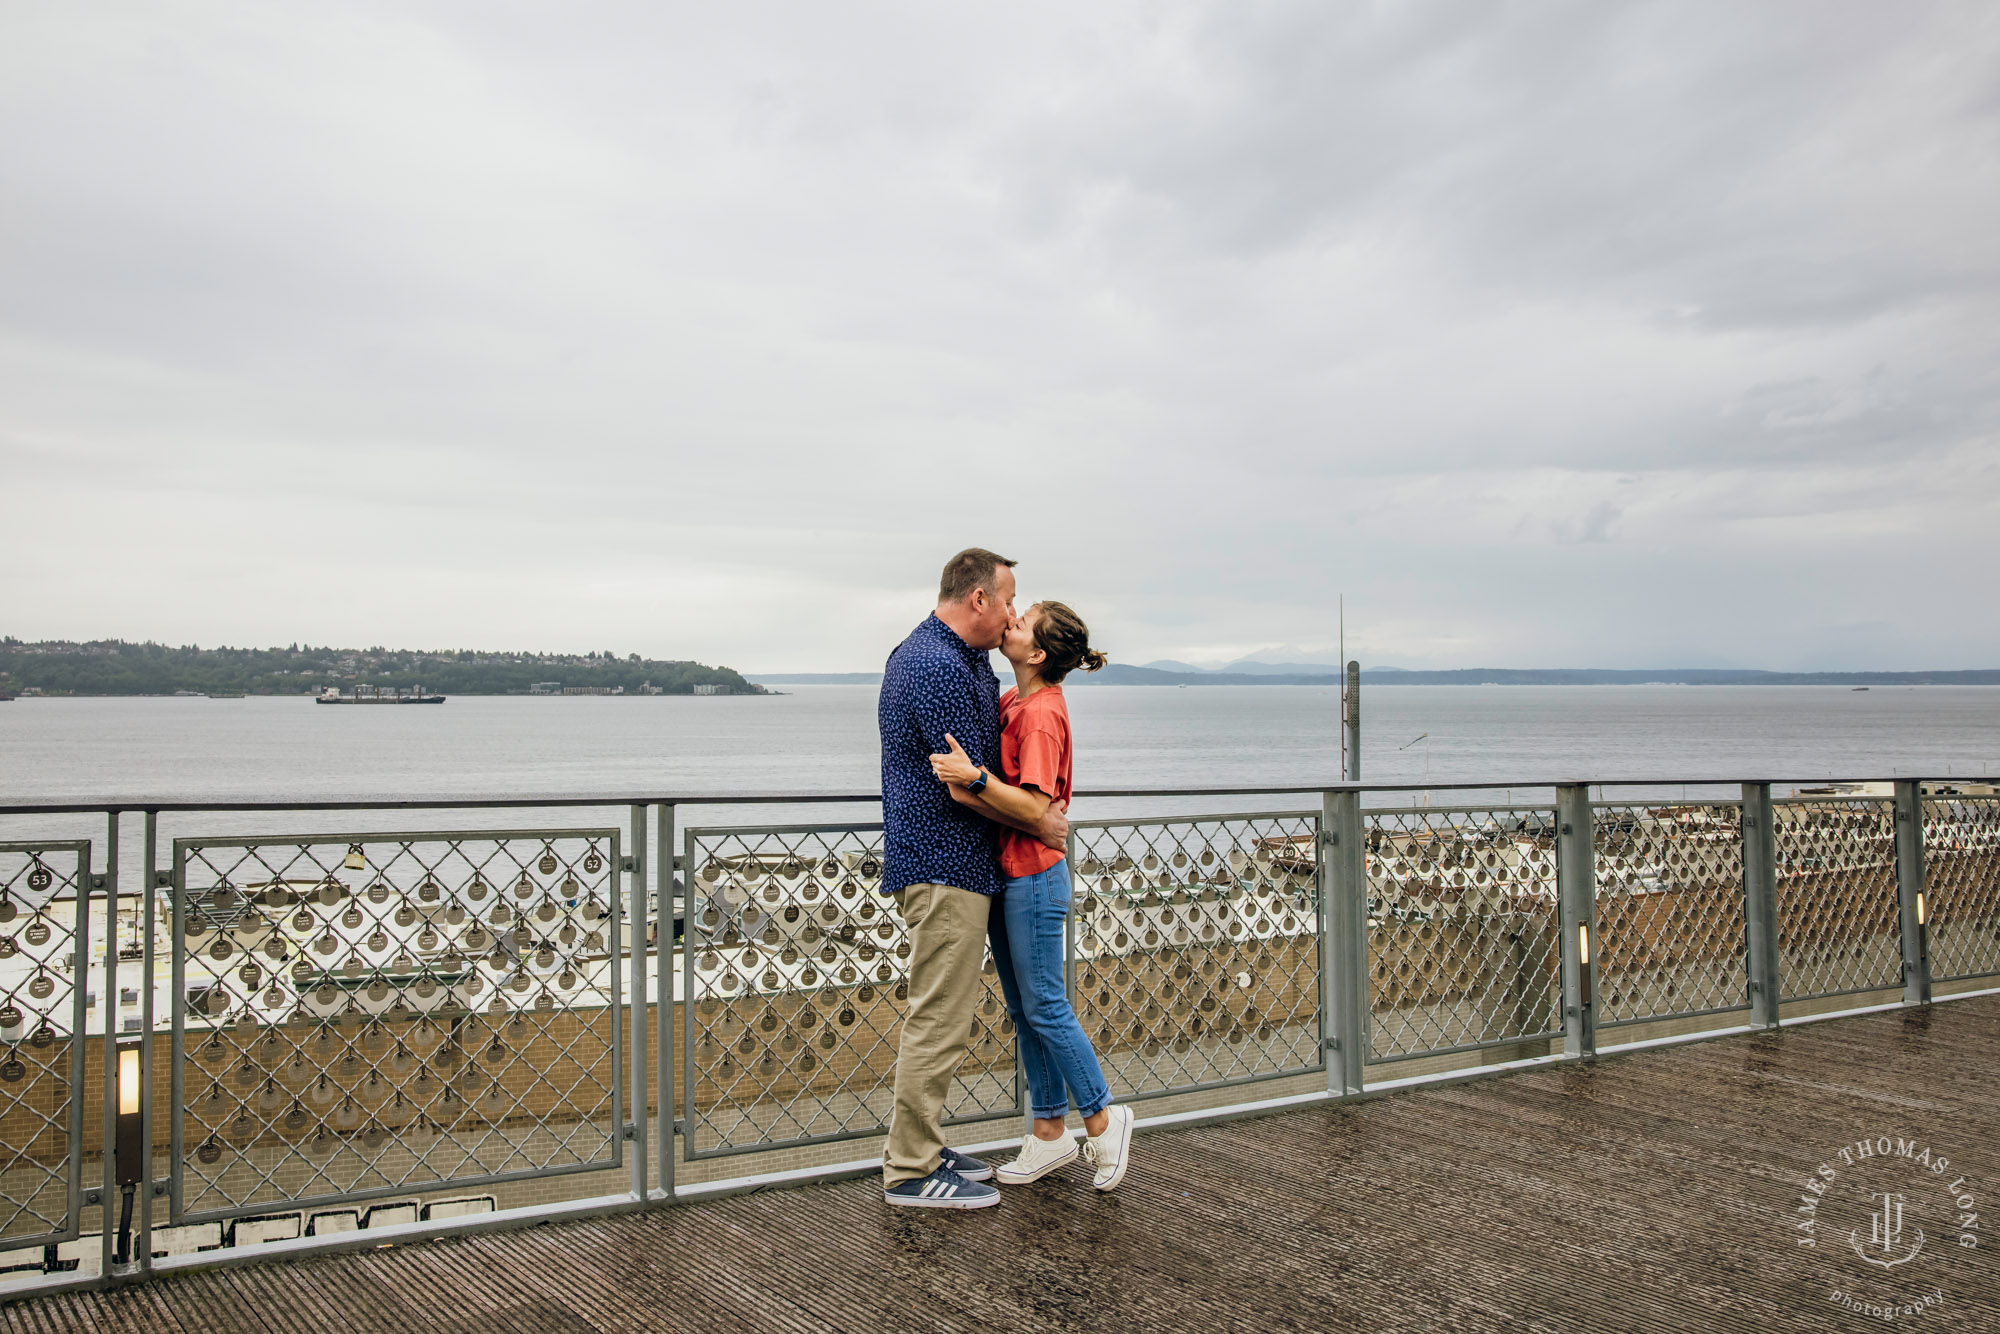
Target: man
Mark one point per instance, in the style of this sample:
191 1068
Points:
941 863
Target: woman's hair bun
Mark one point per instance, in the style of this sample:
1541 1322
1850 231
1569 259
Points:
1064 641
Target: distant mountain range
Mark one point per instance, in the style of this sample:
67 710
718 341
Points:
1252 667
1320 674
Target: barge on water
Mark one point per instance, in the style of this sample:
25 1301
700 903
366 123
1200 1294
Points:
372 695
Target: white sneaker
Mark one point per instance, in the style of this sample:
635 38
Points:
1111 1152
1038 1158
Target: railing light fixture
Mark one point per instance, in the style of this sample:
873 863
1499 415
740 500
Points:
1920 907
128 1081
129 1147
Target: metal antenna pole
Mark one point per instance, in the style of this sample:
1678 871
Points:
1353 720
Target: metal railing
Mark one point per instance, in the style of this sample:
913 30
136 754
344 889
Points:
366 1015
323 1036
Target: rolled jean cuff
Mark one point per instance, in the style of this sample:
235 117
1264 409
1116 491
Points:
1093 1111
1058 1114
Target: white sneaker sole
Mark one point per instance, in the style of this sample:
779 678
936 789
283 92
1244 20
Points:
1007 1176
1124 1153
959 1202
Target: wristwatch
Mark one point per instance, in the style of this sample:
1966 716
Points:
978 784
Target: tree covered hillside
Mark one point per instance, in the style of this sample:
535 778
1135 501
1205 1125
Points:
114 667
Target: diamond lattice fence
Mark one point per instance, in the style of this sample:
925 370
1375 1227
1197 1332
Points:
1839 928
1462 930
1198 950
1669 910
369 1014
1962 885
795 986
44 969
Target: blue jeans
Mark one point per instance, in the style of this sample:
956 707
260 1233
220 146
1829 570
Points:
1027 937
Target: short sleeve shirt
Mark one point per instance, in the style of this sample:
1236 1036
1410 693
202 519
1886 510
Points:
936 683
1034 752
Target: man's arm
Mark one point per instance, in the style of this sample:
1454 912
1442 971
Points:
945 703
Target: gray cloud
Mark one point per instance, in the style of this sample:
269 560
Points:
712 331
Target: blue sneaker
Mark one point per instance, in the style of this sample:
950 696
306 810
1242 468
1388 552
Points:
942 1189
967 1166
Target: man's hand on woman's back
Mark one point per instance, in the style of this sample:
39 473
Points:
1053 828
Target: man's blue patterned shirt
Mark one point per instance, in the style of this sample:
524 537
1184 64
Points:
936 683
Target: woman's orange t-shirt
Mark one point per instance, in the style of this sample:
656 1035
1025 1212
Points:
1034 752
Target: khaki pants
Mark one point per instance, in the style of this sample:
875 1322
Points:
947 947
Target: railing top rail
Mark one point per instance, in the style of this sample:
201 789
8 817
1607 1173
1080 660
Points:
669 797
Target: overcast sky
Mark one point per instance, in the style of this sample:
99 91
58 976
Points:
1551 334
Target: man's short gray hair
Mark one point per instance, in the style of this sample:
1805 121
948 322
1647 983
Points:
975 567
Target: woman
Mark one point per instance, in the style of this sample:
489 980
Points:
1027 926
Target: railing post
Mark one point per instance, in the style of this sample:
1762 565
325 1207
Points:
111 1196
1910 891
635 1081
1760 904
1576 882
1343 928
663 1055
148 1107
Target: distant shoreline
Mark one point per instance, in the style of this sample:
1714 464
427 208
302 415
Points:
117 667
1120 674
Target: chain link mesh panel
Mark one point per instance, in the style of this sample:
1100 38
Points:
1198 950
1839 926
1669 911
795 987
1962 885
362 1015
44 984
1463 947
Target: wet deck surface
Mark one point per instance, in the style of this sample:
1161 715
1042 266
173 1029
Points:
1649 1191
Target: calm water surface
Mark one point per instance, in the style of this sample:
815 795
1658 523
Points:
822 739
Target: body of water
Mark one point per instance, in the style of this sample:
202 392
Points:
822 739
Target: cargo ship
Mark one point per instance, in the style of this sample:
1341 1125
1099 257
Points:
372 695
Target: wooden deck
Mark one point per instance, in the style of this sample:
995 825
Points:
1647 1191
